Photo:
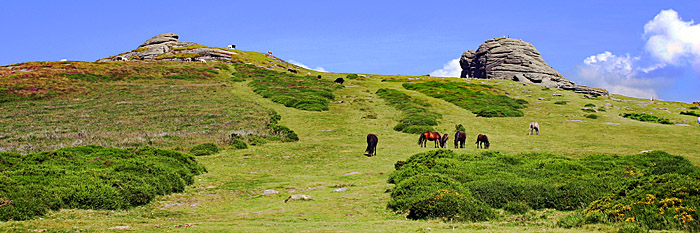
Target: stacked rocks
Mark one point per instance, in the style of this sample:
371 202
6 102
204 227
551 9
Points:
510 59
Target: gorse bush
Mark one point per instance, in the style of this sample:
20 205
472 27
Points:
90 177
561 102
602 188
204 149
415 117
694 108
482 100
646 118
300 92
589 105
592 116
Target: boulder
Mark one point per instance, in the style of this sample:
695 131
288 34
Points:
162 38
167 46
510 59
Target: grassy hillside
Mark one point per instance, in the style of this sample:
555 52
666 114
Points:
327 157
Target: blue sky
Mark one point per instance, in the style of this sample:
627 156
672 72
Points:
637 48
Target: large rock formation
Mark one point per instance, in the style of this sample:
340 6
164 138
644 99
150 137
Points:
168 47
510 59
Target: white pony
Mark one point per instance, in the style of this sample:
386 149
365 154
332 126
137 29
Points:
534 126
698 120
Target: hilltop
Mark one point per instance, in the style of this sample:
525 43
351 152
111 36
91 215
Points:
168 102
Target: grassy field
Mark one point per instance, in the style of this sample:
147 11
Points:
329 153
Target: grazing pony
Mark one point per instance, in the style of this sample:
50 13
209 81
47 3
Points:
371 145
339 81
429 136
443 141
482 139
534 126
460 138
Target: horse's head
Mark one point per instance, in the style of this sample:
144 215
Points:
487 144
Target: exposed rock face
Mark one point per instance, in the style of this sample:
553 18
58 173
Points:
510 59
168 47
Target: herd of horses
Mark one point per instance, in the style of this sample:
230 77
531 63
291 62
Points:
482 141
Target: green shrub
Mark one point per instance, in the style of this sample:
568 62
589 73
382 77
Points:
690 113
589 105
238 144
592 116
516 207
460 127
646 118
416 118
482 100
351 76
588 110
300 92
561 102
655 190
90 177
694 108
281 131
204 149
450 205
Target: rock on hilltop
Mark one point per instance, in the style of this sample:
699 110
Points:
168 47
510 59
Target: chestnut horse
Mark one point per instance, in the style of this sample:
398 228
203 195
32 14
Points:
460 138
482 139
429 136
443 141
371 145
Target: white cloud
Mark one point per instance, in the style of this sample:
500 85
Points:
617 74
296 63
450 69
672 40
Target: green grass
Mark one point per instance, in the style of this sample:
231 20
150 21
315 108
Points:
90 177
300 92
482 100
416 118
330 144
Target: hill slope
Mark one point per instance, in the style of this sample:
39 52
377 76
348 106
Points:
329 153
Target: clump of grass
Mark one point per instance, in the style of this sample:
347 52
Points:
592 116
300 92
623 188
561 102
646 118
90 77
204 149
589 105
694 108
588 110
90 177
690 113
415 117
482 100
238 144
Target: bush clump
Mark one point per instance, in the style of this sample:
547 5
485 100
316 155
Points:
204 149
281 131
415 118
238 144
90 177
646 118
300 92
561 102
589 105
592 116
653 190
482 100
690 113
694 108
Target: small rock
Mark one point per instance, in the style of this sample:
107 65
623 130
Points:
541 98
298 197
645 151
120 228
340 190
682 124
351 173
270 191
610 123
556 95
507 93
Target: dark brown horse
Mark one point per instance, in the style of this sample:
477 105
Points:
482 139
429 136
371 145
460 138
443 141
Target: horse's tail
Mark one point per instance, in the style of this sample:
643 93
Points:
456 138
